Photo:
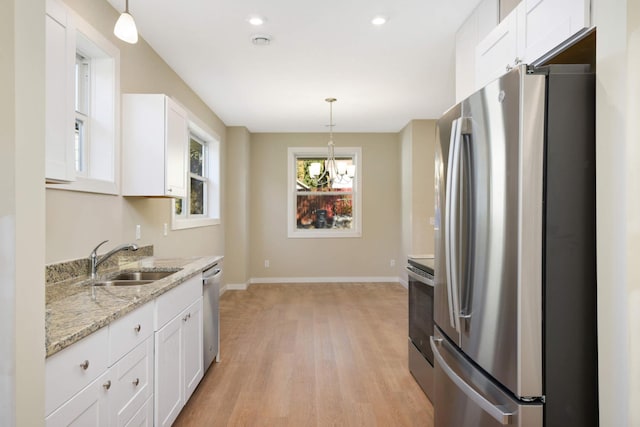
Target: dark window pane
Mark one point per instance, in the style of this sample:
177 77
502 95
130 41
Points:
197 197
178 206
324 211
196 156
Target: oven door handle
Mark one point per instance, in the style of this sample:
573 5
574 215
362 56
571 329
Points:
419 278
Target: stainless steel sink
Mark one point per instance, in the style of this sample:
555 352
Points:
141 275
122 282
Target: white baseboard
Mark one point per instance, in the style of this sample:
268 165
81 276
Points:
377 279
234 287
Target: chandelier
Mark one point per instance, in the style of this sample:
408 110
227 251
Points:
335 172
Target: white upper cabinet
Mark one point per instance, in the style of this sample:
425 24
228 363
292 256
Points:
59 87
548 24
531 33
481 21
155 136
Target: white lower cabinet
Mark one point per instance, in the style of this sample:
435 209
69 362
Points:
178 361
87 408
138 371
116 391
132 382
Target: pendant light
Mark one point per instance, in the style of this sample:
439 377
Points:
125 28
334 172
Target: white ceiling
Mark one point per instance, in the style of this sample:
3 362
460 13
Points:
383 77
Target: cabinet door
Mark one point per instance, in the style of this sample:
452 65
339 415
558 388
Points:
549 24
60 92
177 138
497 52
192 347
87 408
168 388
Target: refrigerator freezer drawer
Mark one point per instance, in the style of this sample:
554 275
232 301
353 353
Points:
465 397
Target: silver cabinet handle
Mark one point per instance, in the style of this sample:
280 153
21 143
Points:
85 365
137 328
136 382
107 385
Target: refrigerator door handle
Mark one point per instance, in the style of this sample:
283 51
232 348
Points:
504 418
451 222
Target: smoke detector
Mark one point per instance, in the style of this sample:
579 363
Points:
261 39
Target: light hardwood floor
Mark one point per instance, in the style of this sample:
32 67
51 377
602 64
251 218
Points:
311 355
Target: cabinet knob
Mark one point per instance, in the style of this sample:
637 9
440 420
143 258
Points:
85 365
137 328
107 385
517 61
509 67
136 382
170 190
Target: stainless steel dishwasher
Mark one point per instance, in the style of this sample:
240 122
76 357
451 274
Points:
211 314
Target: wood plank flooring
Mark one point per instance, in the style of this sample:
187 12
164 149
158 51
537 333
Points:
311 355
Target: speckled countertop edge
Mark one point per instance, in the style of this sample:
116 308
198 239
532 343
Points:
75 309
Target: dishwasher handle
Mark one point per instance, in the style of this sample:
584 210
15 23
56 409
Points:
211 272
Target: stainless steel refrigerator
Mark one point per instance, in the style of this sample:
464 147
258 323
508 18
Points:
515 270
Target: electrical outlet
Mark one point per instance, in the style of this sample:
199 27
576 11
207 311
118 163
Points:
165 229
266 263
138 232
392 263
432 220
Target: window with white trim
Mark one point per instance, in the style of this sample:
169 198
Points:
97 107
201 207
324 201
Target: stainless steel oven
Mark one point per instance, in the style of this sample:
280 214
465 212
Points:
420 274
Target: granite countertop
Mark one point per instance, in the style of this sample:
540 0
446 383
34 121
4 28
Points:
75 309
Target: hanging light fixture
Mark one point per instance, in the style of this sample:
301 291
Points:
334 172
125 28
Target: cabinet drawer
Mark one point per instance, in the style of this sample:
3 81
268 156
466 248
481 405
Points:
129 331
172 303
133 383
68 371
144 416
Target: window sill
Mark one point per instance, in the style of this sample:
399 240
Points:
88 185
182 224
323 234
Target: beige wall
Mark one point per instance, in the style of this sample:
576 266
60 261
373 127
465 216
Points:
618 156
22 213
366 256
76 222
417 153
238 207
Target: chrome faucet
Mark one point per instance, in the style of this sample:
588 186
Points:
93 257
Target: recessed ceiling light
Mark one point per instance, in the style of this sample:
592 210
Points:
379 20
256 20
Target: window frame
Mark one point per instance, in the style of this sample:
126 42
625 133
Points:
211 167
321 152
102 142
